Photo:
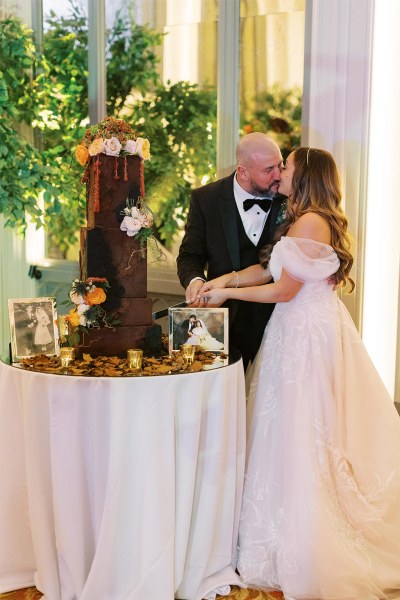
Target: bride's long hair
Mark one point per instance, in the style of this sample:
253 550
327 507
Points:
316 188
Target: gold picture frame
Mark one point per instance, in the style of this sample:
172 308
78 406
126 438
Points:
205 328
33 327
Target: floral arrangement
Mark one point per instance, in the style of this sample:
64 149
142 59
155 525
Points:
113 137
138 223
138 219
88 296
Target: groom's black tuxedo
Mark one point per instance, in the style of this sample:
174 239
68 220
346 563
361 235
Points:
215 240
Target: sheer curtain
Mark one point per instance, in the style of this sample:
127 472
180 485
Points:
14 279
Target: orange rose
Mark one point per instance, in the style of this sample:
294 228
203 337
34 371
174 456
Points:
97 296
248 128
73 317
82 154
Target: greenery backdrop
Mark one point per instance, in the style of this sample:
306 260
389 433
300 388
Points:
46 89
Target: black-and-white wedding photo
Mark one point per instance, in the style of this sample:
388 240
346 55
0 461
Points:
33 327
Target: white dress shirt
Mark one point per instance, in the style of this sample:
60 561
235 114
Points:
253 219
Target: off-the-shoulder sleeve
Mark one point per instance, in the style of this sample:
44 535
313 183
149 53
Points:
306 260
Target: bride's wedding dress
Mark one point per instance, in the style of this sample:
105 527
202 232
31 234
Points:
321 507
201 337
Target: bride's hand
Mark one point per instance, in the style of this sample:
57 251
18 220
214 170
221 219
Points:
214 297
219 282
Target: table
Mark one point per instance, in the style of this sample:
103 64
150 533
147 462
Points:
120 488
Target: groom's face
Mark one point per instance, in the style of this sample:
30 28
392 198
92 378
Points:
264 173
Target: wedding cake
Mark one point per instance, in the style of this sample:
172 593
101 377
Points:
113 244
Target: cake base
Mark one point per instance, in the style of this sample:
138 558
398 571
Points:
115 341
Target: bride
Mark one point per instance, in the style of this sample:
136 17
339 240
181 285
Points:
200 336
320 515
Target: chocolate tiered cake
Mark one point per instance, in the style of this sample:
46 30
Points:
108 252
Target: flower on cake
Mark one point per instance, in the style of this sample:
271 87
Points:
113 137
137 219
112 146
138 224
88 295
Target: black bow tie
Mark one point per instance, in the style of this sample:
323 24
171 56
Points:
263 203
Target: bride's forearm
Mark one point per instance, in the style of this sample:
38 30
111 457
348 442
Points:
253 275
266 293
283 290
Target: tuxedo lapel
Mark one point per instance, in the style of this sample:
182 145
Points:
270 224
229 216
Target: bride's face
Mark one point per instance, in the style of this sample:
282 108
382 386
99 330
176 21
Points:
285 185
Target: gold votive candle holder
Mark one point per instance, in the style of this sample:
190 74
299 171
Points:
188 351
67 356
134 359
63 329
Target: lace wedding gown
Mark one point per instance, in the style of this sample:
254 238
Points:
321 507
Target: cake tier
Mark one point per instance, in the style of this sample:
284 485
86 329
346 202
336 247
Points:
110 341
112 254
112 192
134 311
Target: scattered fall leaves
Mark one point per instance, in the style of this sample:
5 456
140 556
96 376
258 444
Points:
112 366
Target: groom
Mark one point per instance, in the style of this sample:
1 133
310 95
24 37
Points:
226 230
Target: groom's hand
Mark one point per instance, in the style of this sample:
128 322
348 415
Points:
192 292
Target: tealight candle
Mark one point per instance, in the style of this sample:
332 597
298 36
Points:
188 351
67 356
134 359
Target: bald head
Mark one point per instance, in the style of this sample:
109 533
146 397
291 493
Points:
258 164
253 145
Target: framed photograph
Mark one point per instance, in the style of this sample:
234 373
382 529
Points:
33 327
206 328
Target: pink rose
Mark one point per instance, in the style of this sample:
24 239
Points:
112 146
131 147
131 226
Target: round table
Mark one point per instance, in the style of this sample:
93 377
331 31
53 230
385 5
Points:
121 488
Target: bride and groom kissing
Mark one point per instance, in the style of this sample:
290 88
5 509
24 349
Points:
320 515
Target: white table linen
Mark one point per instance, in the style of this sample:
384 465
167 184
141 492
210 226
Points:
120 488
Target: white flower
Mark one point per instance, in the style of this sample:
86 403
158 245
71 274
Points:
112 146
131 147
82 320
135 213
76 298
82 308
96 147
131 225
